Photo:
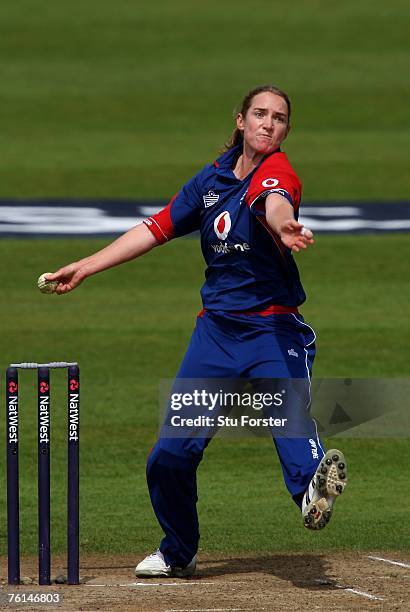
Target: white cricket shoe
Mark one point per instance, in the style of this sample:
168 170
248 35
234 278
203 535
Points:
154 565
326 485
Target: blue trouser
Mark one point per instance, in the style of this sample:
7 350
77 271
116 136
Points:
225 345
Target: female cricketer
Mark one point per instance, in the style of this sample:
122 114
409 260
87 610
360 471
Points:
246 207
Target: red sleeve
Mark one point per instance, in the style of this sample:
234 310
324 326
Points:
274 175
160 224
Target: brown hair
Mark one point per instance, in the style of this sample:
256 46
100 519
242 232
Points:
237 137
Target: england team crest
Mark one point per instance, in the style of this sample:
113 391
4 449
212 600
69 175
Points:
210 198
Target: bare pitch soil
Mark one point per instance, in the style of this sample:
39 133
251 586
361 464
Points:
223 583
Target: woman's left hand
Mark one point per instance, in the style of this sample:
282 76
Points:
295 236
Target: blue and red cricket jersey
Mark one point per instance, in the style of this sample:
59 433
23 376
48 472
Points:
248 266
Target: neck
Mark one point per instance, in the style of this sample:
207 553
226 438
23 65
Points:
247 162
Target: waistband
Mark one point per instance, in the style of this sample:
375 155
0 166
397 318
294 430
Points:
268 310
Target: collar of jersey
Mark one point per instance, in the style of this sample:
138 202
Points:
224 163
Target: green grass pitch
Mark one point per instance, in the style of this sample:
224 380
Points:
130 99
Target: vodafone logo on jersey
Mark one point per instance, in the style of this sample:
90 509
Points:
222 225
270 182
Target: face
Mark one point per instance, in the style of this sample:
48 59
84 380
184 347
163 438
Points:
266 123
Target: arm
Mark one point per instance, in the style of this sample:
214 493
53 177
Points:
280 218
137 241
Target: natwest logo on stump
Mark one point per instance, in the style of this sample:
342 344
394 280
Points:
13 387
222 225
44 387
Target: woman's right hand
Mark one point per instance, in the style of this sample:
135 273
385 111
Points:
68 277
